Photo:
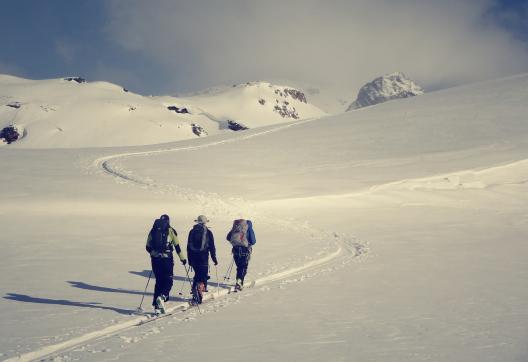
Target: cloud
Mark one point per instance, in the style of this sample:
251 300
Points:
341 42
117 75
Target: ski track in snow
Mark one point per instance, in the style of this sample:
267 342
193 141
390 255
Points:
345 249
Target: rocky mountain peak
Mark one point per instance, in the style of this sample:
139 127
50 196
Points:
391 86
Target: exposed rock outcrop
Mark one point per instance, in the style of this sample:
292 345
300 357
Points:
15 105
198 130
75 79
9 134
235 126
178 109
382 89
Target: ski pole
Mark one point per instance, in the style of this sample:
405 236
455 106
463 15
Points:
140 309
217 281
188 278
229 269
181 289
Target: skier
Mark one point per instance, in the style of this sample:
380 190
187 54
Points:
242 238
199 245
161 241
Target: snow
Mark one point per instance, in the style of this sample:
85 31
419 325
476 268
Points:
240 103
57 113
395 232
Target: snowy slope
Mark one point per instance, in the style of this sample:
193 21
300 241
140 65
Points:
445 131
60 113
394 233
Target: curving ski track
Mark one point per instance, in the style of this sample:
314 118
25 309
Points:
345 250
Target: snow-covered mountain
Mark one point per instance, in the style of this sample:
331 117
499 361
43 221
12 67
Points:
331 98
70 112
253 104
391 86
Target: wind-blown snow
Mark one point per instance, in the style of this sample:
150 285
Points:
396 233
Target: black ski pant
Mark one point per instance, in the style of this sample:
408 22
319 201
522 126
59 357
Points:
241 255
201 272
163 269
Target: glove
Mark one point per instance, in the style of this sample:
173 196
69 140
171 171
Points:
184 261
215 261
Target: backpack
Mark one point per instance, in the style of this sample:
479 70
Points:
159 236
198 241
238 234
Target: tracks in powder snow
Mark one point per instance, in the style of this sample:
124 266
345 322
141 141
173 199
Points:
345 249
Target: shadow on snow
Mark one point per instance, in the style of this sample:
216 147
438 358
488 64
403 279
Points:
212 283
82 285
146 273
95 305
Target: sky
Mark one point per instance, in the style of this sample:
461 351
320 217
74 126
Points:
172 47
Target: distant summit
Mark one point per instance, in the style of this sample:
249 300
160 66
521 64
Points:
385 88
251 105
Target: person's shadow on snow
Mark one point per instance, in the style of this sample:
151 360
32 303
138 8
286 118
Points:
86 286
30 299
146 273
82 285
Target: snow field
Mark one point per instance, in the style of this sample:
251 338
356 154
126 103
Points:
436 184
270 264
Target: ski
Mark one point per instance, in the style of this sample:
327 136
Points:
152 316
233 289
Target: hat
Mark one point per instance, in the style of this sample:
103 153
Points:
202 219
164 217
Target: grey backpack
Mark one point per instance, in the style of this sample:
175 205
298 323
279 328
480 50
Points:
239 231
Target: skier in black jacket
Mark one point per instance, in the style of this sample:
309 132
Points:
199 244
161 241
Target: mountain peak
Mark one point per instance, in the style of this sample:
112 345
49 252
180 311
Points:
390 86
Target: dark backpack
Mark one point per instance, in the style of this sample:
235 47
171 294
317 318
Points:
159 236
198 241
